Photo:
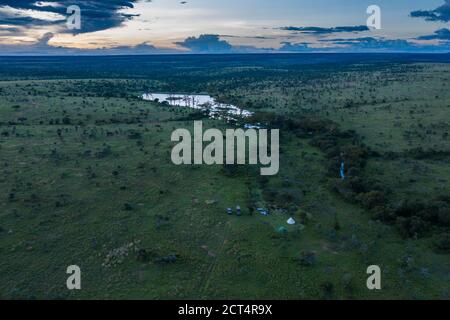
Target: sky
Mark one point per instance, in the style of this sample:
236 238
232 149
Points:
222 26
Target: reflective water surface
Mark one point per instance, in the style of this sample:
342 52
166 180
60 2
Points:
201 102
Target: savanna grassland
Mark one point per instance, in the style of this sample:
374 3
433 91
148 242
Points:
87 179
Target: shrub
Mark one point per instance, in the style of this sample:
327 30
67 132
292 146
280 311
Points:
128 207
347 282
383 213
442 243
372 199
307 258
411 226
443 215
327 288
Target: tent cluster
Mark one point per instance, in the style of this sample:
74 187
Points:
283 229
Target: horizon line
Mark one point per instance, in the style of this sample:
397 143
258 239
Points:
219 53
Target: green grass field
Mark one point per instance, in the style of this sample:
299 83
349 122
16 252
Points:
86 179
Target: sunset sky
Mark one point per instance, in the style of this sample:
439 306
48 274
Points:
165 26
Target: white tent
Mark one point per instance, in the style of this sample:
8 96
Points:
291 221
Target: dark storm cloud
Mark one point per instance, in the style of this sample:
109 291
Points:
211 43
365 44
320 30
206 43
295 47
440 14
247 37
95 15
11 30
338 40
374 43
24 21
441 34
